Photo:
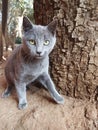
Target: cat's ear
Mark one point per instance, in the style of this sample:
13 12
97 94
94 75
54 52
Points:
27 25
52 26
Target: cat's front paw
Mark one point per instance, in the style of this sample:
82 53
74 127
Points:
5 94
22 106
59 100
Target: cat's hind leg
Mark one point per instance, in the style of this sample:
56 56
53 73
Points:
46 80
7 92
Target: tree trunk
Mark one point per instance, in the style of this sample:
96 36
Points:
74 60
3 29
1 47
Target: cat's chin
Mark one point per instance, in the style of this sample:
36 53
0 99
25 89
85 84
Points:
39 57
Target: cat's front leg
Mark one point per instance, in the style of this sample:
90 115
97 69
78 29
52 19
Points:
21 93
46 80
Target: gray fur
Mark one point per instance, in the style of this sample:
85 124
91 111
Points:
31 62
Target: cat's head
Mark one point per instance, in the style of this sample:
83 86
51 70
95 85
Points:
39 39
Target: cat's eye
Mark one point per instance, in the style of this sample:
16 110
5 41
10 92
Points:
46 42
32 42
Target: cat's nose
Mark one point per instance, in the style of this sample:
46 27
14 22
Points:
38 52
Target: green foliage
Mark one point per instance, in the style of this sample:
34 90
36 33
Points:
18 8
22 5
18 40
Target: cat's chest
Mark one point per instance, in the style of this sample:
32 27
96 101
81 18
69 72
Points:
32 71
35 69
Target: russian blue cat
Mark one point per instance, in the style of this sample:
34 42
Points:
30 61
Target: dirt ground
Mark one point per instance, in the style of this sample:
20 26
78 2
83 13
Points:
44 114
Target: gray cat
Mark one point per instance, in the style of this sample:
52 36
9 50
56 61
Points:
30 61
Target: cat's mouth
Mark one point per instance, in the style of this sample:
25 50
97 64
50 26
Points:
39 57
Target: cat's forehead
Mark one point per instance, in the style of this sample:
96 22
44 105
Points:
39 30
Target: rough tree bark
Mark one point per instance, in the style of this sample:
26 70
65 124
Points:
74 61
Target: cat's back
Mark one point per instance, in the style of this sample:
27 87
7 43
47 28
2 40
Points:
12 61
14 54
